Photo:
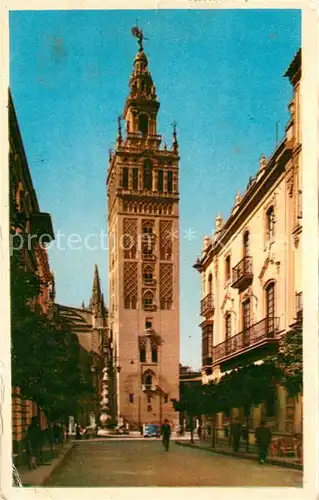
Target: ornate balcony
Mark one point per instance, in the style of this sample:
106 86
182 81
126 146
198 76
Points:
299 305
263 332
242 274
149 281
149 257
149 307
207 305
139 135
207 362
148 387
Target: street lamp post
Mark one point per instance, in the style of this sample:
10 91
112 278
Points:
161 416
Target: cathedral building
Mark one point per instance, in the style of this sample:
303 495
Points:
143 229
89 325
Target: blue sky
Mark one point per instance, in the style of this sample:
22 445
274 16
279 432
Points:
218 73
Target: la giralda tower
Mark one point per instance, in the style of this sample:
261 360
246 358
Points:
143 231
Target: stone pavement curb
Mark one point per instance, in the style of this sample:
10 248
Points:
42 474
124 438
271 461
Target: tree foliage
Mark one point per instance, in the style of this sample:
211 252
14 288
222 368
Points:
288 361
242 387
45 353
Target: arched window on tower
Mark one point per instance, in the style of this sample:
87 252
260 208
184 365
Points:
160 181
148 276
143 123
148 382
142 354
148 175
135 178
169 181
154 354
148 301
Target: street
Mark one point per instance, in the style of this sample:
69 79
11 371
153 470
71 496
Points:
145 463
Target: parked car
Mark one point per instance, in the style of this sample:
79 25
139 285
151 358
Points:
152 430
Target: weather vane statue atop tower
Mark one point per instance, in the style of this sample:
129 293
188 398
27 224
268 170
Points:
138 33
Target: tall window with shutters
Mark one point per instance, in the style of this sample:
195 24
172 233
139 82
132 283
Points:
270 307
169 181
270 224
125 174
160 181
148 175
246 321
135 179
228 332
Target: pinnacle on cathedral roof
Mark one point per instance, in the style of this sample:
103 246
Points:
175 142
96 289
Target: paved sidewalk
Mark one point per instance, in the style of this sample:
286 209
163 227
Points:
40 475
224 449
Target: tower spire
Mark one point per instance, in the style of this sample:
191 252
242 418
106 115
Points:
96 289
175 142
141 106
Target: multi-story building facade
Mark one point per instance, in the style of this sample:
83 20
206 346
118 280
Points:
27 218
251 270
143 226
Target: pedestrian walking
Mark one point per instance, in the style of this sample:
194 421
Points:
235 432
56 433
66 434
263 440
50 438
166 434
34 443
199 431
77 431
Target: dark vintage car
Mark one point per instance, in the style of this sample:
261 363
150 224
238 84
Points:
152 430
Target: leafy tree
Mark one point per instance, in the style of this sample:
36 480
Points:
190 403
288 361
45 354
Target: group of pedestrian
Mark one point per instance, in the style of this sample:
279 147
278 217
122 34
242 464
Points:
35 438
34 443
59 433
78 431
262 436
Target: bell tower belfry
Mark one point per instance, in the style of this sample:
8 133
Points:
143 230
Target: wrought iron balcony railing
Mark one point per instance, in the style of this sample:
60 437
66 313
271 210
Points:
148 257
149 307
206 305
242 273
149 281
207 361
148 387
263 331
133 135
